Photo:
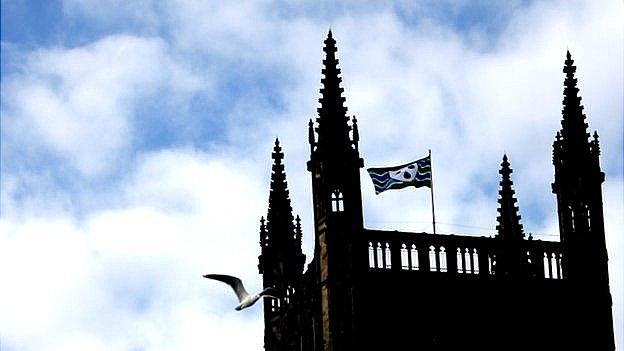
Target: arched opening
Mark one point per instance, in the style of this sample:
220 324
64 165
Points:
468 260
433 264
404 258
475 261
413 258
337 201
555 263
547 266
460 261
442 259
380 256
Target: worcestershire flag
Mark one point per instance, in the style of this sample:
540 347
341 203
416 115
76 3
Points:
417 173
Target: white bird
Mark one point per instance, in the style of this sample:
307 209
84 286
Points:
244 297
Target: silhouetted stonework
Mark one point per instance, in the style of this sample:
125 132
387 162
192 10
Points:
391 290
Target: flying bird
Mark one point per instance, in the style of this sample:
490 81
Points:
245 299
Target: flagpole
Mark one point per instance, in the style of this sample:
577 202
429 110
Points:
432 203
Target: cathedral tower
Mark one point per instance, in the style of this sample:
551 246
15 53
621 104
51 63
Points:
335 163
395 290
578 187
281 261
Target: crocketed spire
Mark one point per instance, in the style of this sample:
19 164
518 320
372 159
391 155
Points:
573 126
509 226
279 217
333 129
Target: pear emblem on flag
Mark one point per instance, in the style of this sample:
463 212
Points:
405 174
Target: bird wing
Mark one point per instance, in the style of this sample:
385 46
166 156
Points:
234 282
270 292
269 295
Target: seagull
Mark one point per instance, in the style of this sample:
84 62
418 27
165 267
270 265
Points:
245 299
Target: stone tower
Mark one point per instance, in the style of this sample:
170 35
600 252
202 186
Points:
391 290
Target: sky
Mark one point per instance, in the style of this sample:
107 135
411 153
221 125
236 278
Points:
136 141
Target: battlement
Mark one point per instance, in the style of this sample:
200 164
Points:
459 257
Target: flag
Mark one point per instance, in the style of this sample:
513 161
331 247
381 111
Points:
417 174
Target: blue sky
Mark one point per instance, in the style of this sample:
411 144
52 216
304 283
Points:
136 140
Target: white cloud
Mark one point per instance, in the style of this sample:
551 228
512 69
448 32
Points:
131 277
79 103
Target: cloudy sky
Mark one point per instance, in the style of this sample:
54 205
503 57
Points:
136 141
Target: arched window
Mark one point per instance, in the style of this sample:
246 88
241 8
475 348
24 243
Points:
442 259
547 266
371 256
475 261
337 201
380 255
433 264
387 257
461 263
414 258
404 258
468 260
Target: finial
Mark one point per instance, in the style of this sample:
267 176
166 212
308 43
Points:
569 64
329 33
505 169
277 150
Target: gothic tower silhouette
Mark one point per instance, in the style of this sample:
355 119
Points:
391 290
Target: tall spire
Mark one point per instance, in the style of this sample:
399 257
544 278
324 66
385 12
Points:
279 217
333 129
574 128
509 226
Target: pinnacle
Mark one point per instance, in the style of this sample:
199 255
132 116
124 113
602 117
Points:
279 217
277 155
333 129
574 129
509 220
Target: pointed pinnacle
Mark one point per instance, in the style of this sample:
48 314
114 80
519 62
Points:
505 169
277 151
